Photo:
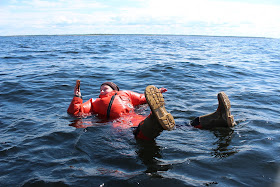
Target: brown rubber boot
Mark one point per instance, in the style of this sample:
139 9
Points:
221 118
156 102
150 128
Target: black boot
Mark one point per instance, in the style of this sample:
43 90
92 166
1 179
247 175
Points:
221 118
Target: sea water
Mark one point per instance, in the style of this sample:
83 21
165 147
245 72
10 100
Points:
41 145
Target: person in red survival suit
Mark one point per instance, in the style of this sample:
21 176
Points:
114 103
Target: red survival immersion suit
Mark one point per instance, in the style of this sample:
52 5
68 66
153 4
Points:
122 105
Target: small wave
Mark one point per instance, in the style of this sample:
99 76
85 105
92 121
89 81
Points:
41 145
27 57
40 182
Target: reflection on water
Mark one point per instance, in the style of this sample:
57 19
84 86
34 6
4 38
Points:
37 145
223 148
147 151
150 154
86 122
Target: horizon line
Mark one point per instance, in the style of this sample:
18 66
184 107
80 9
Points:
26 35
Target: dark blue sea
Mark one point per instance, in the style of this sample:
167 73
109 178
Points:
41 146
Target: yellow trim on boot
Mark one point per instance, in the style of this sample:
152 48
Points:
224 101
156 102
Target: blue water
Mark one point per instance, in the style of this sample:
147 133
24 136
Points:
39 146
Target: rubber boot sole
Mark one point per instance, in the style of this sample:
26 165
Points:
224 100
156 102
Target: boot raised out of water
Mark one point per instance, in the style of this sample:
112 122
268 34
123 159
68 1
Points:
159 119
156 102
221 118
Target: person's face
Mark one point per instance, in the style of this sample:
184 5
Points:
104 89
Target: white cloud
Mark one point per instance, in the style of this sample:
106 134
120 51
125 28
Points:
212 11
209 17
242 18
64 4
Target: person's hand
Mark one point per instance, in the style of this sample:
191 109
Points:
162 90
77 90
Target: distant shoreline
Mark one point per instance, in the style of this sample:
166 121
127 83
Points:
137 35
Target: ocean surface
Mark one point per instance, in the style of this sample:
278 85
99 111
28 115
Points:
41 145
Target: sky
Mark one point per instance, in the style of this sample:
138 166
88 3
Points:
252 18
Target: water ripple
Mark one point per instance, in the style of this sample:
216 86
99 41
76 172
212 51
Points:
40 145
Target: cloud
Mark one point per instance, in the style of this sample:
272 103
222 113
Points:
203 17
68 5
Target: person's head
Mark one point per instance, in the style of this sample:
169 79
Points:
108 87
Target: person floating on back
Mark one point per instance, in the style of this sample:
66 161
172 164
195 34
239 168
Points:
114 103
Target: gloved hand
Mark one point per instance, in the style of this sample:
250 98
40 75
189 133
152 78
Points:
162 90
77 90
